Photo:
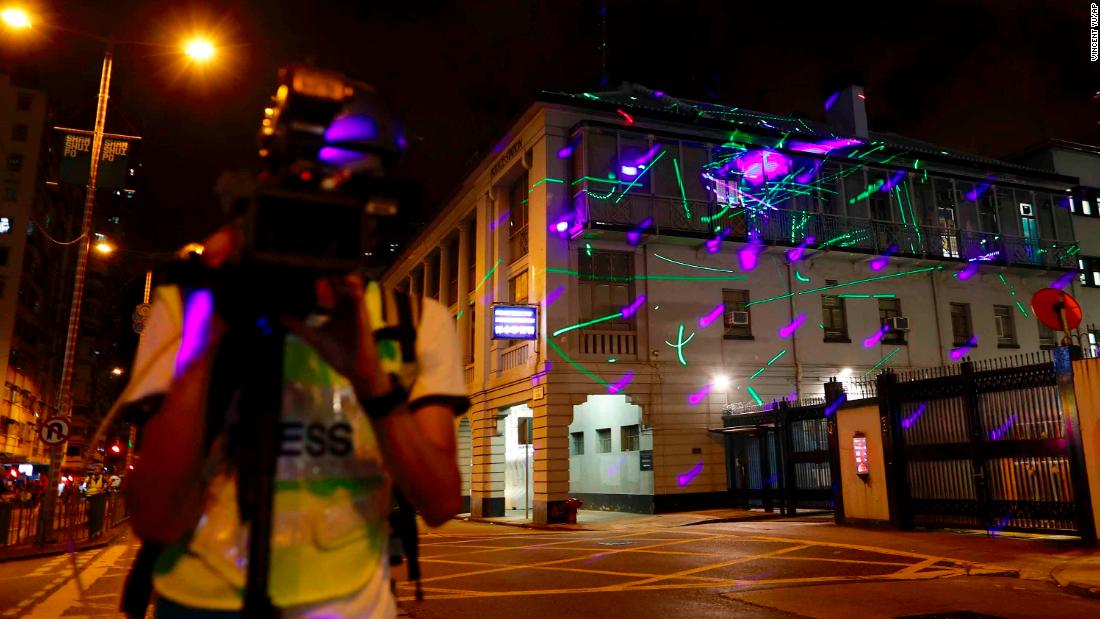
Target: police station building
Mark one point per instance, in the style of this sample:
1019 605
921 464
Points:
652 261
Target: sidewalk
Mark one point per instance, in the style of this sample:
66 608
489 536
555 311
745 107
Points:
594 520
30 551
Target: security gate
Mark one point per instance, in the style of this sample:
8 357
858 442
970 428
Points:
981 445
780 455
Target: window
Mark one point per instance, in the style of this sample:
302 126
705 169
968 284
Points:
603 436
962 329
1006 328
23 102
1094 343
629 438
431 277
471 333
19 132
887 309
517 218
523 431
15 162
471 257
1047 339
834 316
1089 271
452 272
517 288
3 256
576 443
605 283
5 225
736 301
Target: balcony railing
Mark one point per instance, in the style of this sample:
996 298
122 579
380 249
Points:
790 228
609 343
514 357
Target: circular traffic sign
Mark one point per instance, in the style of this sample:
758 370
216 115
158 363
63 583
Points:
1048 305
54 431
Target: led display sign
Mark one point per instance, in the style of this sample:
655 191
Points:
515 322
859 448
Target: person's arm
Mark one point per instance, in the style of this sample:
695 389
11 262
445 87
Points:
418 438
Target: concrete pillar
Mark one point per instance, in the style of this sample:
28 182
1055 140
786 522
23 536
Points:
552 416
487 480
1086 385
444 272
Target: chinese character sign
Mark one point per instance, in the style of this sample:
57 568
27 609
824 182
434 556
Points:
859 447
76 151
515 322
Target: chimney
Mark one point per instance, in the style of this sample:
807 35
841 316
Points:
846 111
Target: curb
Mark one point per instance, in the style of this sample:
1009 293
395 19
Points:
1079 588
34 552
527 525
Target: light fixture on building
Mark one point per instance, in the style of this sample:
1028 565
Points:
720 382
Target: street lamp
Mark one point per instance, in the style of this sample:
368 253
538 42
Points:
117 371
16 18
199 49
102 245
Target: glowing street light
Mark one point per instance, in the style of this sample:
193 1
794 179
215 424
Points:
721 382
117 371
16 18
199 49
102 245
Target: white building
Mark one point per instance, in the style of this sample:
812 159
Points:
1082 161
686 255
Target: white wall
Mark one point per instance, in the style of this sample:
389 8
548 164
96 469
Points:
617 472
518 461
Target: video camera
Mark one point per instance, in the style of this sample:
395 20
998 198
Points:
322 200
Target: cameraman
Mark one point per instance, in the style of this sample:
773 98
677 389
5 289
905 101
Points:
357 414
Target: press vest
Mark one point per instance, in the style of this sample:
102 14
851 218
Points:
332 495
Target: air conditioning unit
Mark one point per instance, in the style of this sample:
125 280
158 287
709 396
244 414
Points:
737 319
898 323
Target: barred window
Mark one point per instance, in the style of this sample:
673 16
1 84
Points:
962 328
834 317
576 443
603 436
1006 327
887 309
629 439
605 283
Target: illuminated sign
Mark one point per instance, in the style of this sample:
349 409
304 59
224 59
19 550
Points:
515 322
5 225
859 448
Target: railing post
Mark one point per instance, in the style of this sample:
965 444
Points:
785 443
979 469
893 447
834 390
1082 498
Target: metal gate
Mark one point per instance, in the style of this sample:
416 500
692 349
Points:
981 445
779 456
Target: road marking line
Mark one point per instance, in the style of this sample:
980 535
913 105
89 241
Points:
842 561
714 566
68 594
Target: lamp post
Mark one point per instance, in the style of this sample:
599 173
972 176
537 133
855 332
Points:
198 50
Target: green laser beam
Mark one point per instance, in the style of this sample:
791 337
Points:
852 283
580 367
758 372
581 325
680 181
755 396
1022 310
689 265
488 275
660 278
776 358
680 343
800 277
547 180
884 360
639 177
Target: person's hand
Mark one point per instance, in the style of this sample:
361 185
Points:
346 339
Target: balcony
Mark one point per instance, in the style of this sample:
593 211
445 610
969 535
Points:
601 343
669 216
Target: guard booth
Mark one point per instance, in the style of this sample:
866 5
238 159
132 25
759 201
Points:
778 457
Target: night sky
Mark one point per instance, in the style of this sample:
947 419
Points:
987 77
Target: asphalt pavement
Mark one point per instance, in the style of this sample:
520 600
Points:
661 568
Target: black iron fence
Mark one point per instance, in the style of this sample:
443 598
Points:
986 445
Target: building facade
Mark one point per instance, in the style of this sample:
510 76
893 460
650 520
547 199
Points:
687 258
1083 162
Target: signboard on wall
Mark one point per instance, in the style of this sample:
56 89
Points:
515 322
76 157
859 448
645 460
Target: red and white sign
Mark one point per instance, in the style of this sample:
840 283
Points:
54 431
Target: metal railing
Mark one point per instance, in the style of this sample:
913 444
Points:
613 343
788 227
73 519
